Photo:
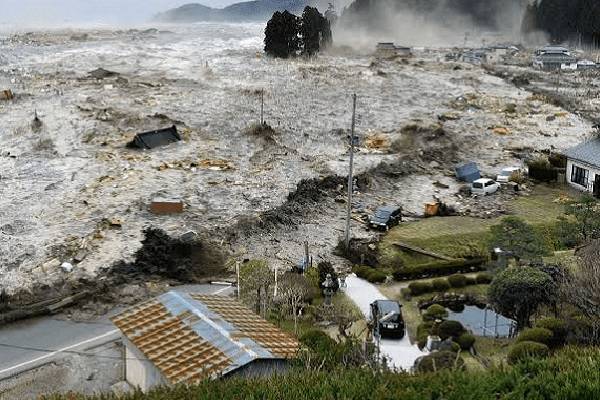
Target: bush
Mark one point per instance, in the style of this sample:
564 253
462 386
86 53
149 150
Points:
457 281
465 341
423 332
538 335
440 285
418 288
319 343
406 294
557 327
361 271
376 276
523 350
454 347
450 329
471 280
438 268
484 278
435 311
438 361
540 169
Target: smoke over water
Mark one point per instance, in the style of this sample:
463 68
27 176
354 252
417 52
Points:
438 23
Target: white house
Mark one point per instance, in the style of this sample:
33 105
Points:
583 166
186 338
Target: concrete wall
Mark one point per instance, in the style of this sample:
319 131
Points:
593 171
139 371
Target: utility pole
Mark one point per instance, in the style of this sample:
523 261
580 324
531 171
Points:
237 272
350 176
275 290
262 106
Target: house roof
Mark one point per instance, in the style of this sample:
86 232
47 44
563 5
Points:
190 337
587 152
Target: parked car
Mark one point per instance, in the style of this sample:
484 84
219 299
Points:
506 173
385 217
387 317
484 186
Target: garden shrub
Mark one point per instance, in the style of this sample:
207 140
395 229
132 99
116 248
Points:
452 329
440 284
557 327
406 294
457 281
418 288
438 268
471 280
523 350
376 276
438 361
540 169
465 341
454 347
435 311
484 278
539 335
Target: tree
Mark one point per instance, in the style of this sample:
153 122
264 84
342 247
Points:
295 290
315 31
581 287
256 280
586 212
517 293
516 236
282 37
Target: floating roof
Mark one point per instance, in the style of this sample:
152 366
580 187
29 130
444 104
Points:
152 139
190 338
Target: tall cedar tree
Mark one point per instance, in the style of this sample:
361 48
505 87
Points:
315 31
282 37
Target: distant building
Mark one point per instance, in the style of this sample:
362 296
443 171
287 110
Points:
477 56
186 338
554 57
390 50
586 64
583 166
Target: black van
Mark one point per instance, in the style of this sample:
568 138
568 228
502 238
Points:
387 317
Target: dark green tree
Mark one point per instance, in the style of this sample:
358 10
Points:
282 35
518 292
516 236
315 31
586 212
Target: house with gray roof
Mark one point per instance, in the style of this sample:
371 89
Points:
583 166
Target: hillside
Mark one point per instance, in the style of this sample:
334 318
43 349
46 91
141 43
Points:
258 10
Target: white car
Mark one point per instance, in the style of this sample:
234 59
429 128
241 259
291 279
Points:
506 173
484 186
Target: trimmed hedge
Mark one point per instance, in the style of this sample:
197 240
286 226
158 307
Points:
418 288
440 284
369 274
466 341
438 268
435 311
450 329
438 361
471 280
523 350
557 327
539 335
457 281
483 278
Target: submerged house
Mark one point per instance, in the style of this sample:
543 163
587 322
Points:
390 50
554 57
583 166
180 338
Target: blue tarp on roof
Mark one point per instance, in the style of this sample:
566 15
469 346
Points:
468 172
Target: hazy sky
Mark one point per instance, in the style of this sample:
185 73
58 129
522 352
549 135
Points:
17 12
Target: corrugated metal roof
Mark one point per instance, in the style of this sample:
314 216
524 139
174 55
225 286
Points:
190 338
587 152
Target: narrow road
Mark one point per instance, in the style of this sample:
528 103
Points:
31 343
401 353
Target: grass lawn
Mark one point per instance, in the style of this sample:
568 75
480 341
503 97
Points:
461 236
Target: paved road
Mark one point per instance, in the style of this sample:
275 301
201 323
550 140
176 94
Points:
402 353
31 343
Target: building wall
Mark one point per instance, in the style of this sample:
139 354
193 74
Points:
593 171
139 371
260 368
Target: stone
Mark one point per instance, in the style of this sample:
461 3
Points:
67 267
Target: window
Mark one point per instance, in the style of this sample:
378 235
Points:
478 185
489 183
580 176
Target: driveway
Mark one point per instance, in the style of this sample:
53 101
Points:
28 344
401 353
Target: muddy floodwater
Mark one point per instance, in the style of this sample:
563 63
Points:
70 189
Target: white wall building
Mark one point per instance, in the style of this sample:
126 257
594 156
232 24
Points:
583 166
